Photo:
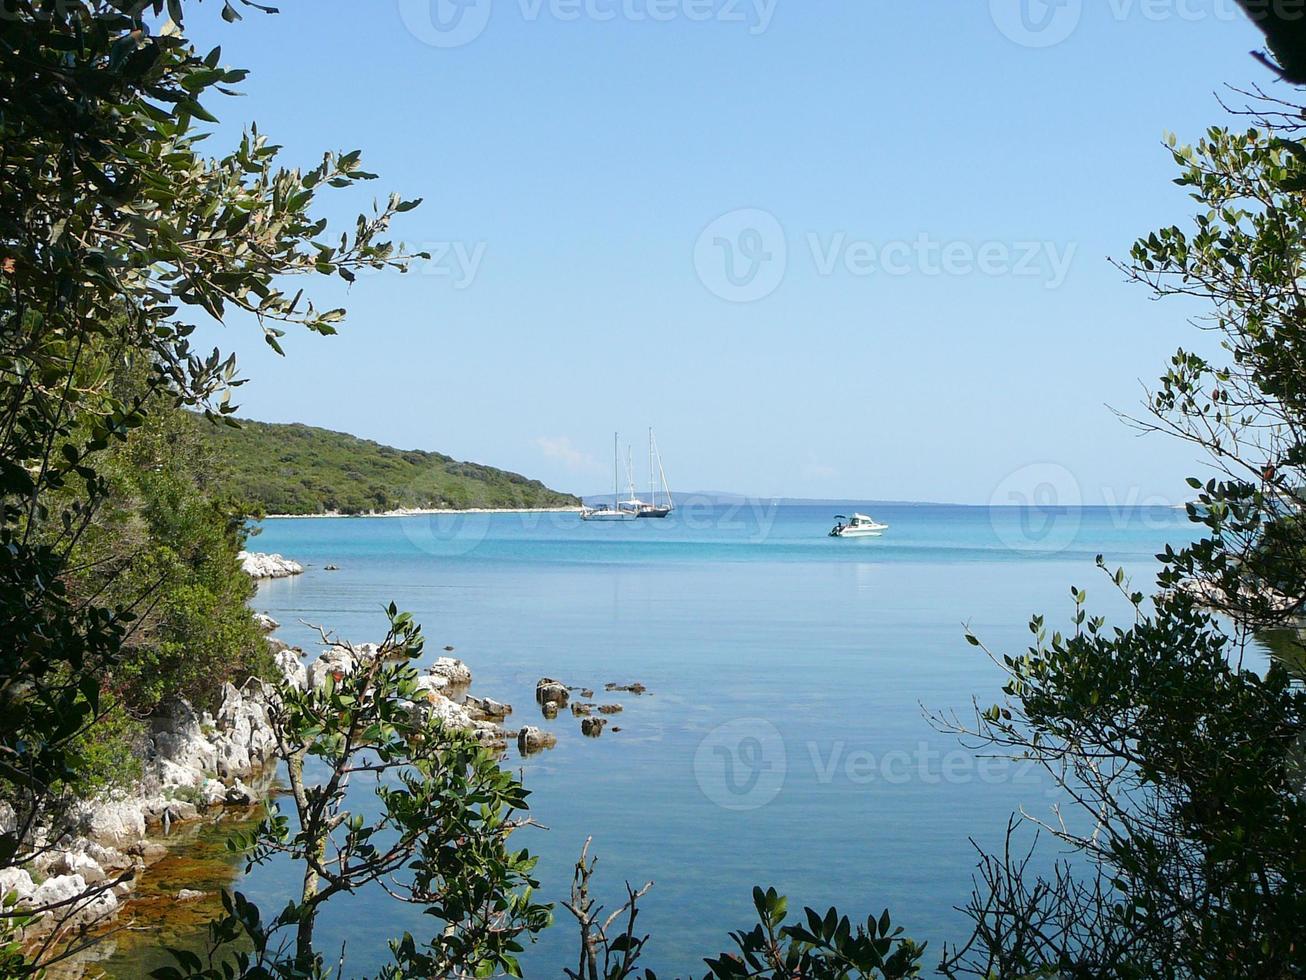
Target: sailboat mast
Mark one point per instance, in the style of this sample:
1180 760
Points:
666 490
652 491
616 471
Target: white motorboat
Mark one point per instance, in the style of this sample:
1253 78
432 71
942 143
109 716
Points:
857 526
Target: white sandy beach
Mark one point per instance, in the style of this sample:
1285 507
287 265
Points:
420 512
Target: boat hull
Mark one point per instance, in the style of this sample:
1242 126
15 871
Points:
606 515
657 512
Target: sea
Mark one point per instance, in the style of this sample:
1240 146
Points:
789 735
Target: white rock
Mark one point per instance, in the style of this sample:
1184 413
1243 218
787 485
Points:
335 660
257 565
454 671
63 891
18 882
291 668
113 822
265 622
173 775
213 793
110 859
78 862
432 687
449 713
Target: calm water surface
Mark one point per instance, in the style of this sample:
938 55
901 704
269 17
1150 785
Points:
783 740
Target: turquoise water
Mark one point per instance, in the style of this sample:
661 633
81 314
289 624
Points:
783 740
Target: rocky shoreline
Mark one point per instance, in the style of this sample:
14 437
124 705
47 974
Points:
197 765
202 767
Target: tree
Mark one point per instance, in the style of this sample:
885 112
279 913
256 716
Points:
115 234
440 841
1183 768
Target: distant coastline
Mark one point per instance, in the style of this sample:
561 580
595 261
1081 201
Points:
424 511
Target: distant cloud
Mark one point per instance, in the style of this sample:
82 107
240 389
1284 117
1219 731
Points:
813 470
561 449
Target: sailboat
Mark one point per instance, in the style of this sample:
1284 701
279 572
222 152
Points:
615 512
653 508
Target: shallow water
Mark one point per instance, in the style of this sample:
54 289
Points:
783 740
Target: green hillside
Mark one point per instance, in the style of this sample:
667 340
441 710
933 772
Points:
299 469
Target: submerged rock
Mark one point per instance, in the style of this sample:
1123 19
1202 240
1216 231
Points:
531 739
581 709
592 727
635 688
610 709
547 689
486 709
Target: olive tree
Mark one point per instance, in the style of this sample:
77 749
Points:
118 235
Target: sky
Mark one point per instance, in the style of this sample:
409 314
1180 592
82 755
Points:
827 248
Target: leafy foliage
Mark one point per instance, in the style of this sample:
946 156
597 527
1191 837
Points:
115 234
299 469
1183 770
822 947
445 811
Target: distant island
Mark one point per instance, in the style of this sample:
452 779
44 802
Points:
302 470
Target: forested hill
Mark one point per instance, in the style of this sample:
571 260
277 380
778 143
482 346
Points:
299 469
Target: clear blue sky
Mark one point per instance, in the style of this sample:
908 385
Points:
576 151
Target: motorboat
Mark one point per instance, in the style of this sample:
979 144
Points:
857 526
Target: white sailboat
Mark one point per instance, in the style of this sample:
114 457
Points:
615 512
